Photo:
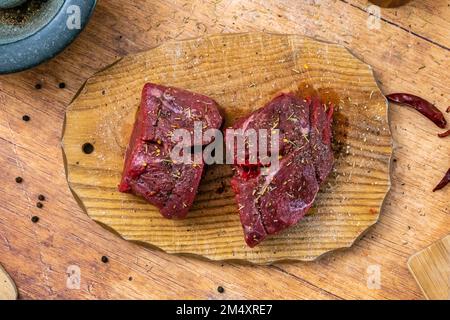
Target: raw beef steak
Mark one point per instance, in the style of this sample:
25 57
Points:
275 201
149 171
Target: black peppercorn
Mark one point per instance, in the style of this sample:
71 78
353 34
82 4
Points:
62 85
26 118
105 259
38 86
19 179
220 289
41 197
39 205
34 219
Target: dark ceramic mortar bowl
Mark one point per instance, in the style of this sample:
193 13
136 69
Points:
29 39
6 4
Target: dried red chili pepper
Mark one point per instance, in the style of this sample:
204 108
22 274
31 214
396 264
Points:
444 134
445 180
423 106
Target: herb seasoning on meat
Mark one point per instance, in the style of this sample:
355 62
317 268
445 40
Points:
271 203
149 171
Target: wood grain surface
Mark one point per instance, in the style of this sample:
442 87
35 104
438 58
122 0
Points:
408 52
431 268
242 72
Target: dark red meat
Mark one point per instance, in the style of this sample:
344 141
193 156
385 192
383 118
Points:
149 171
274 202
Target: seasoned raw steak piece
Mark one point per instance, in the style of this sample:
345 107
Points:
149 171
273 202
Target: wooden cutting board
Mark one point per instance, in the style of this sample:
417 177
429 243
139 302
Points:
8 290
241 72
431 269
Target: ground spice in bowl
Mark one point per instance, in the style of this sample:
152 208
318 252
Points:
20 15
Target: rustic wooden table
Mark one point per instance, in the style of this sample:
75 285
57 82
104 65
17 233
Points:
409 52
